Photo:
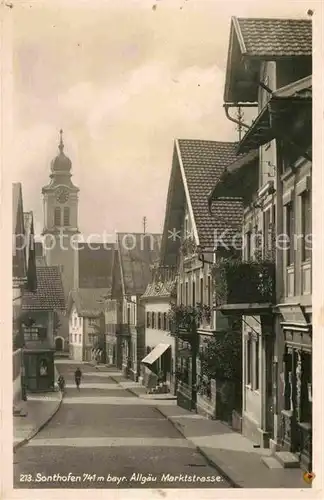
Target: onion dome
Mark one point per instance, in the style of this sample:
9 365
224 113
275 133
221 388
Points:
61 163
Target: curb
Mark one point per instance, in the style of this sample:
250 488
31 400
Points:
128 389
26 440
132 391
210 462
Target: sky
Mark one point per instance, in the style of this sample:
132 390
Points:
123 79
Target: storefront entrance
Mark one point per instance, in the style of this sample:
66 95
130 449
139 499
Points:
185 397
297 416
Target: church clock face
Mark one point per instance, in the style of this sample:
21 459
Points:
62 195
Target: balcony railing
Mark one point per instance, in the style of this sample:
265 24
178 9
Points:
237 282
185 320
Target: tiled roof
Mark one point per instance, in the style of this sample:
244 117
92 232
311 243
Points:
162 290
18 252
275 37
49 295
89 302
137 254
229 216
203 163
95 265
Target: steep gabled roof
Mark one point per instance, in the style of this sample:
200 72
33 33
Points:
253 41
50 293
201 165
19 262
89 302
96 265
16 204
137 252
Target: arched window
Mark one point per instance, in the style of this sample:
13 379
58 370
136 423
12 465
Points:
66 216
57 216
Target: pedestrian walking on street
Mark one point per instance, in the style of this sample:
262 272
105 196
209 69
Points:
77 376
61 383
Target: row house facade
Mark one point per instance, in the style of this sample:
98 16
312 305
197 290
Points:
24 279
191 229
85 310
275 78
124 312
40 311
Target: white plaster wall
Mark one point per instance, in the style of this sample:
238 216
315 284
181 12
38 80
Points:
17 389
75 329
252 402
153 336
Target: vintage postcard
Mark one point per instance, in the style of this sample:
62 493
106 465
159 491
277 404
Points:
158 162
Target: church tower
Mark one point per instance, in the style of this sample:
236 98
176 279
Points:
60 206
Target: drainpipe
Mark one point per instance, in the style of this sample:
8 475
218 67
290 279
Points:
234 120
279 341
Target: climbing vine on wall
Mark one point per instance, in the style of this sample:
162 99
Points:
221 357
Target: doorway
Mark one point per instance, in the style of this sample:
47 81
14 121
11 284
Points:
59 344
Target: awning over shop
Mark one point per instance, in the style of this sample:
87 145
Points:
155 354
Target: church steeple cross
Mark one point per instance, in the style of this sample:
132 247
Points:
61 145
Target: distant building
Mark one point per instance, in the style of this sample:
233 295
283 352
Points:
95 265
124 316
160 346
86 322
